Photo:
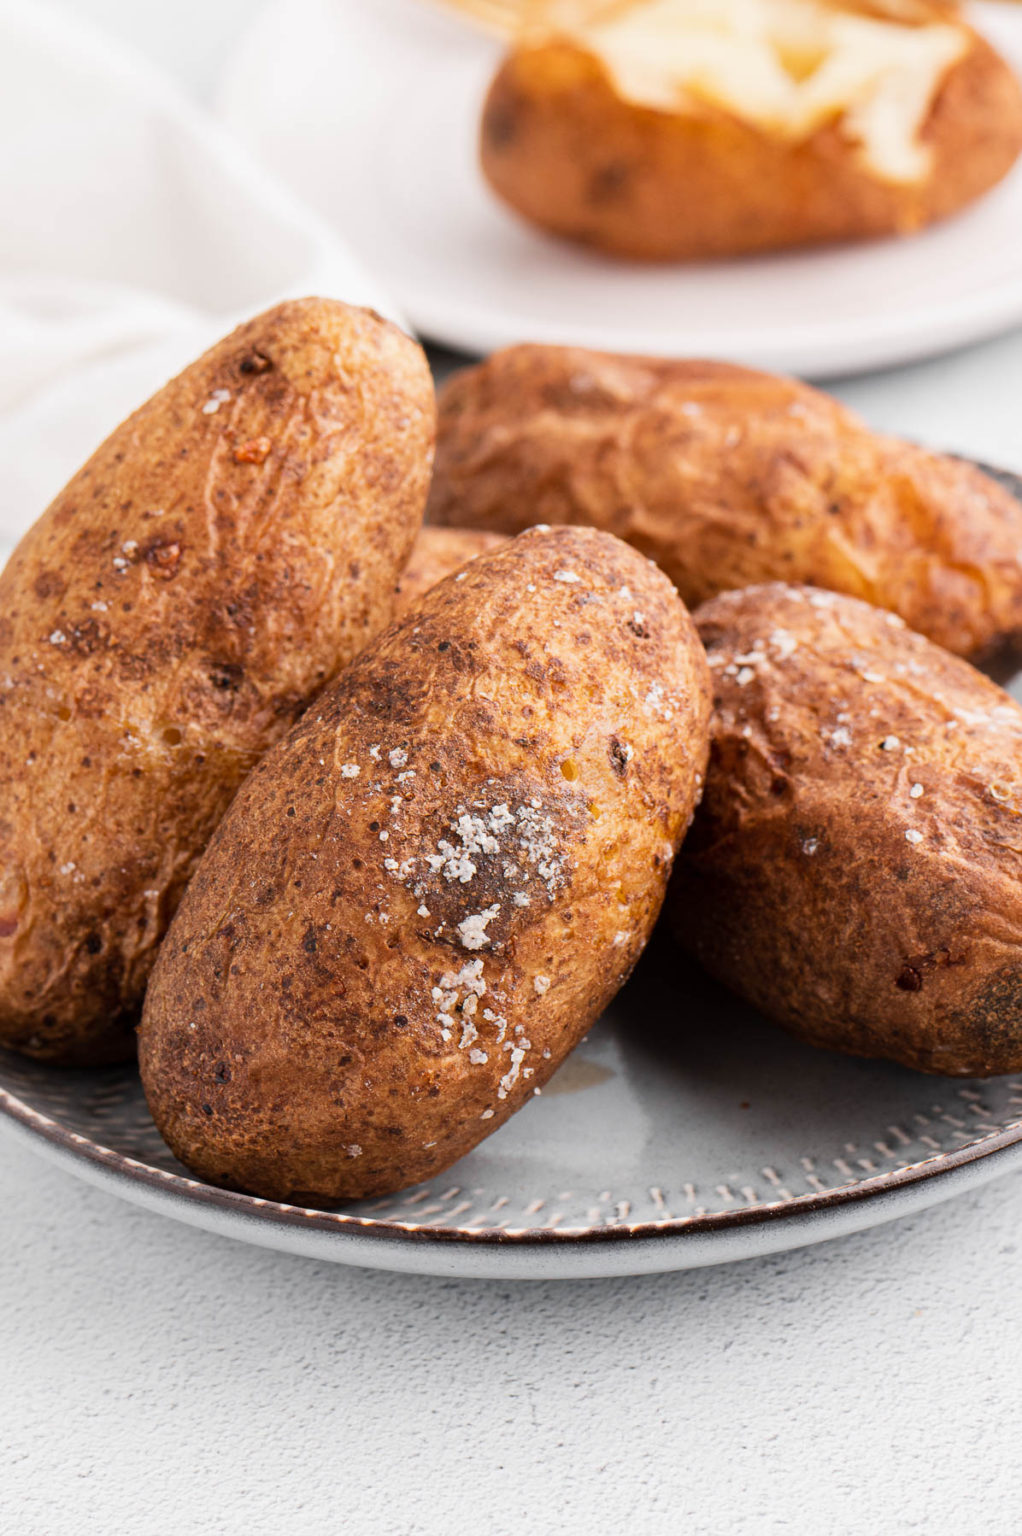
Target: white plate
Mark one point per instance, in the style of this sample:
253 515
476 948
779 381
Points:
381 134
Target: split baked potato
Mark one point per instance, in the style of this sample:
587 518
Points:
226 551
855 868
686 129
727 477
425 894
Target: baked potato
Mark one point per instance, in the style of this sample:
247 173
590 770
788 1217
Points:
435 554
228 548
727 477
854 868
426 893
686 129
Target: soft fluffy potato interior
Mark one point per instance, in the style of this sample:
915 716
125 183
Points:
788 66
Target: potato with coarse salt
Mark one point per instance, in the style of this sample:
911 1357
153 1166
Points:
426 893
855 868
227 550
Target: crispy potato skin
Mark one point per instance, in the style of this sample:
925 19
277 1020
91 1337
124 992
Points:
426 893
563 149
727 477
855 869
231 546
436 553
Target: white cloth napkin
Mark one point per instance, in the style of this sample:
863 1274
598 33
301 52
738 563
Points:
135 231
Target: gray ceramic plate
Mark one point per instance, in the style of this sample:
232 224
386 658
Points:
685 1131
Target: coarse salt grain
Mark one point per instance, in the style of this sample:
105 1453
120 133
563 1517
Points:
472 929
510 1077
215 401
784 644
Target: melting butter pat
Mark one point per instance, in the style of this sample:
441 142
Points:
787 66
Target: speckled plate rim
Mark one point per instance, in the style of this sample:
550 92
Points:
621 1248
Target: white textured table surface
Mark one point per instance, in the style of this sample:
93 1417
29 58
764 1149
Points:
157 1380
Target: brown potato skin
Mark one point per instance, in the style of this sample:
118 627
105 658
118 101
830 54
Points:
166 619
435 554
798 886
561 148
292 1043
727 477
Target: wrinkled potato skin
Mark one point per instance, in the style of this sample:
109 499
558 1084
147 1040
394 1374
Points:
798 886
292 1043
436 553
565 151
165 620
728 477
